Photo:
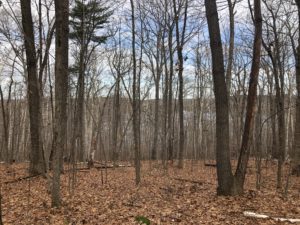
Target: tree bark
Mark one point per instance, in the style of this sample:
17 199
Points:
224 173
231 46
61 93
5 118
80 121
116 119
135 103
179 48
240 174
170 136
296 164
37 165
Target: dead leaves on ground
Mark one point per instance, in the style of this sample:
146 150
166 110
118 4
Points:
177 197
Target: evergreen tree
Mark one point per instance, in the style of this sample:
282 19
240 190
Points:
87 19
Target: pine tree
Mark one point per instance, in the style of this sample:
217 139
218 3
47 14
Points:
87 19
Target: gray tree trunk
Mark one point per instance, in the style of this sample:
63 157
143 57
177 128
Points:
135 103
231 45
239 178
61 93
224 173
179 47
296 164
37 165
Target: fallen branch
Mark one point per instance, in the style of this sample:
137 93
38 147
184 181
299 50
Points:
211 164
86 169
189 181
263 216
215 165
103 166
21 179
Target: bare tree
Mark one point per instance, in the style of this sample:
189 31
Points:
229 184
275 51
224 173
61 93
135 101
37 162
180 39
296 166
251 103
155 29
119 66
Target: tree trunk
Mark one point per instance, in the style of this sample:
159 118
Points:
170 136
157 77
277 64
1 223
37 165
156 118
80 121
241 170
164 139
5 125
61 93
258 137
296 164
116 119
224 173
231 46
135 103
179 48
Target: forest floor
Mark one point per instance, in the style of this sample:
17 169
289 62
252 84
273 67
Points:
174 196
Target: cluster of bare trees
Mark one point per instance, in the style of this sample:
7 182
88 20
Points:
157 80
37 156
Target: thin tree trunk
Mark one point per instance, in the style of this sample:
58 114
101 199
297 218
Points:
116 119
157 100
80 124
156 118
274 55
231 46
135 103
258 141
1 223
179 47
164 141
241 170
170 97
296 163
5 125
